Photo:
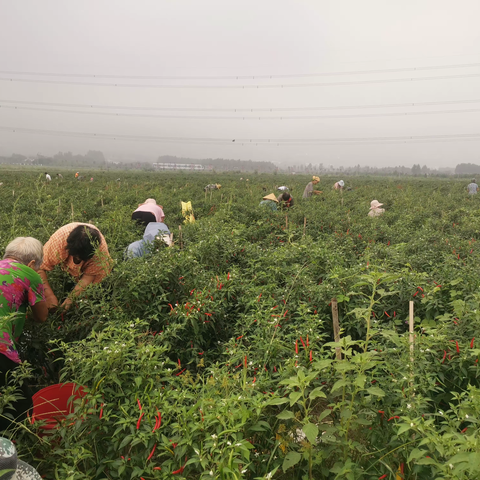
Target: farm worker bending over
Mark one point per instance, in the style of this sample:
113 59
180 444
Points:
212 186
148 212
48 178
339 185
285 200
472 188
144 246
375 209
309 191
82 251
269 201
20 287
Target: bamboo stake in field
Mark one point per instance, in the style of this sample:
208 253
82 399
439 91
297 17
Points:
180 230
72 212
286 222
410 329
304 225
336 327
101 199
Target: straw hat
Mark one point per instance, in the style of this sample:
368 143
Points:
315 178
10 467
375 204
151 200
270 196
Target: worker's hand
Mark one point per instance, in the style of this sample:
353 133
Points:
52 301
317 192
67 304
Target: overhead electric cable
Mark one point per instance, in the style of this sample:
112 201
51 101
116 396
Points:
241 77
254 141
243 117
236 110
243 87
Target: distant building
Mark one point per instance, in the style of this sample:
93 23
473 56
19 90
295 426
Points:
178 166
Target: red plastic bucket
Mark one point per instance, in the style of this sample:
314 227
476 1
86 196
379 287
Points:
52 404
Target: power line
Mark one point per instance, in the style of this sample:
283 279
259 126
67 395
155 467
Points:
254 141
243 117
243 87
246 110
241 77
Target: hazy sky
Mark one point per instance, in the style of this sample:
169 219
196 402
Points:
219 38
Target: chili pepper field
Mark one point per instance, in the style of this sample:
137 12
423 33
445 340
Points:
215 358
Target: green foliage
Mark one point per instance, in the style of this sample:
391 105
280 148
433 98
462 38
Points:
229 338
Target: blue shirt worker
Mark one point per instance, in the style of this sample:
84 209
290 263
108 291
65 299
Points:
269 201
142 247
472 188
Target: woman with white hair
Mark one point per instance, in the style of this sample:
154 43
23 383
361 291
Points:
20 287
148 212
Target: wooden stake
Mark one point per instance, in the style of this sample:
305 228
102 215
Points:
180 230
410 329
304 225
72 212
336 327
101 198
286 222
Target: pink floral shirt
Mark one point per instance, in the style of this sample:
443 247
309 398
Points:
20 287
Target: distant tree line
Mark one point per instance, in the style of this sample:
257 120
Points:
467 169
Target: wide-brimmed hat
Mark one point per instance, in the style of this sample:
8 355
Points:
375 204
270 196
341 183
315 178
11 468
218 185
151 200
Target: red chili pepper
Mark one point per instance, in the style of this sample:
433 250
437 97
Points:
383 476
241 336
179 373
152 452
444 355
420 288
471 343
303 343
464 430
245 361
311 359
170 306
296 346
458 348
101 412
139 404
415 294
139 420
307 342
259 297
179 364
180 470
157 468
387 314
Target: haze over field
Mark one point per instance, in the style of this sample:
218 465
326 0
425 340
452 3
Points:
61 61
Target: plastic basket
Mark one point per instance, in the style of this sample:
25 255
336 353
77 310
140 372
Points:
52 404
